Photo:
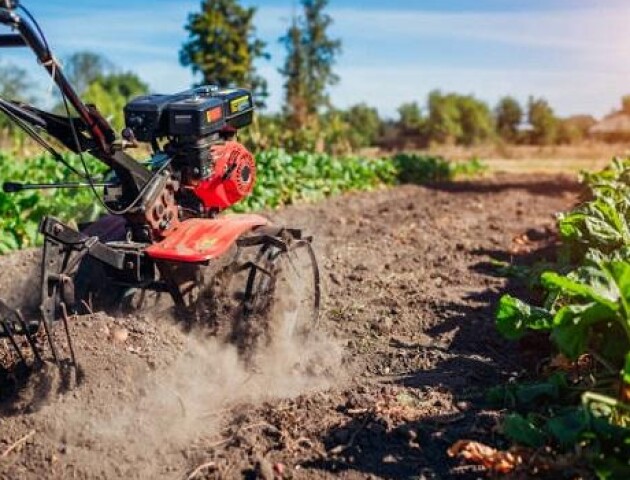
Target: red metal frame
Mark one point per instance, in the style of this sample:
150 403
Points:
198 240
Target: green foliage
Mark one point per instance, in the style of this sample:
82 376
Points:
364 125
411 121
283 178
524 430
475 119
223 46
110 93
543 121
522 396
287 178
514 318
421 169
601 225
84 67
587 310
508 117
443 124
450 119
99 83
15 84
20 213
591 428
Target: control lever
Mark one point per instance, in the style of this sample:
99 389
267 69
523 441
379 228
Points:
14 187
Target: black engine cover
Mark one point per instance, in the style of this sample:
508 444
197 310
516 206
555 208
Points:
195 113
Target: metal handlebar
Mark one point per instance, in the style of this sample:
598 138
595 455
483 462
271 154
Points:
132 173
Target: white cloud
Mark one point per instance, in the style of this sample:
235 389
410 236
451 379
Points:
589 47
585 28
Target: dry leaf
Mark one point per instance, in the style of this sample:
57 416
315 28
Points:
490 458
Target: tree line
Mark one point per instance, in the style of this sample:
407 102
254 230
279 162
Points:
223 48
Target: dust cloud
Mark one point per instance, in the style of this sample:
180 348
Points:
196 392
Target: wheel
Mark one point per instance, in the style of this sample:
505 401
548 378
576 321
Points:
267 295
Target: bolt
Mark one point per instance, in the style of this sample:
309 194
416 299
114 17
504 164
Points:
57 229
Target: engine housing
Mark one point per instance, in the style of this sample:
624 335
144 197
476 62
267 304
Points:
232 176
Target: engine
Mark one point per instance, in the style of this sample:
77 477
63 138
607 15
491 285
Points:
232 179
196 130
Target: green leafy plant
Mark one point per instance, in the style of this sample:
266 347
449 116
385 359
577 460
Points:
283 178
420 169
600 227
586 310
20 213
589 309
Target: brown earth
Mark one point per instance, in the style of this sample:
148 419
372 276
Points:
398 375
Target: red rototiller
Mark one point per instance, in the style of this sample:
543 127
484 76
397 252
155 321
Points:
164 232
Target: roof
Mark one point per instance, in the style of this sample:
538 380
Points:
615 123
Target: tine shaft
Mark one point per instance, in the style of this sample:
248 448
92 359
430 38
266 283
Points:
27 332
317 283
51 342
64 316
9 332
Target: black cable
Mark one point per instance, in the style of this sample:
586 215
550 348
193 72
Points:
37 27
90 181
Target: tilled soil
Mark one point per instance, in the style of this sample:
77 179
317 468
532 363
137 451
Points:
399 374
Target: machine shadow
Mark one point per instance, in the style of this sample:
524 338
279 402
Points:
478 359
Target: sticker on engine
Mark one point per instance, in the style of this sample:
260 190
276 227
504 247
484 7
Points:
240 104
214 114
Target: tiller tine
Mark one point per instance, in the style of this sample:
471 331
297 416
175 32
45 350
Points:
58 261
57 292
15 329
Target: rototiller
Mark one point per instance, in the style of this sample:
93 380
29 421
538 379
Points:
163 232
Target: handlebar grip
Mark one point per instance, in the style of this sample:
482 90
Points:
11 187
12 40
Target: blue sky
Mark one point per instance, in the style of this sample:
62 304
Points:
576 53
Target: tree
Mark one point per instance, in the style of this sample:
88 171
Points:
409 130
83 68
126 85
476 122
508 117
223 46
453 118
15 84
410 118
308 68
574 129
444 119
295 71
542 120
625 104
364 125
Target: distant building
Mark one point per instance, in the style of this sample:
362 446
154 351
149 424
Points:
614 127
